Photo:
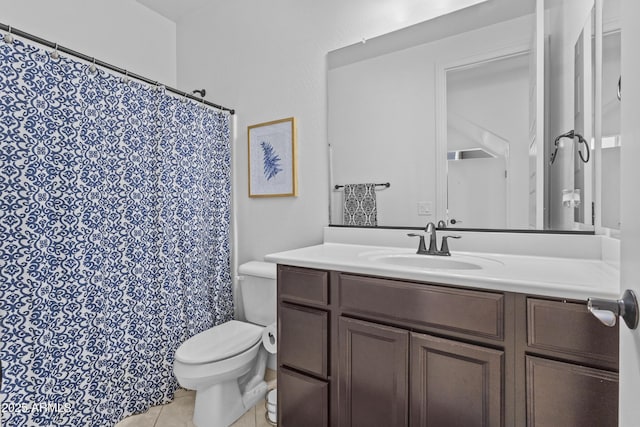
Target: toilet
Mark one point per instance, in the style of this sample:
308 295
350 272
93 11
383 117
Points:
226 364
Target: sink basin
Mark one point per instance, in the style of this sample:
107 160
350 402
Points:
424 261
455 262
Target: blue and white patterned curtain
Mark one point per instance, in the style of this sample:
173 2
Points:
114 238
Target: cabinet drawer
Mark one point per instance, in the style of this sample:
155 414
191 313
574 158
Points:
303 285
568 328
568 395
302 401
470 312
302 339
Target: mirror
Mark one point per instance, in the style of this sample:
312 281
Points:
419 109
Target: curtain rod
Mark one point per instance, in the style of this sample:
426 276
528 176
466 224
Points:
20 33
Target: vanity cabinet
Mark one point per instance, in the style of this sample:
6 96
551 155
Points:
303 347
392 377
404 345
571 363
355 350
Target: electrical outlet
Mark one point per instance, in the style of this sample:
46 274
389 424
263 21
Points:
424 208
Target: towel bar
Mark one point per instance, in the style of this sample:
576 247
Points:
386 185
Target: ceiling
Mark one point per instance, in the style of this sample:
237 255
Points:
174 9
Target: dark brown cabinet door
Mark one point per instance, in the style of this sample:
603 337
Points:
302 400
454 384
373 374
302 339
569 395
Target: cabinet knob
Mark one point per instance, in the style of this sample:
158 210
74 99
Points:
607 311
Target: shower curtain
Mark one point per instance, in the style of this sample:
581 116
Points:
114 238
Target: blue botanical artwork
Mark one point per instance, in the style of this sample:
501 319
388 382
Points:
271 160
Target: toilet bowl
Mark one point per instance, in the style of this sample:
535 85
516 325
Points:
226 364
198 362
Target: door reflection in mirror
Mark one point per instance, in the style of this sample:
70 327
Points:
611 141
487 112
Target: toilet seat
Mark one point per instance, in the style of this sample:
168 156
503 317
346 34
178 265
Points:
220 342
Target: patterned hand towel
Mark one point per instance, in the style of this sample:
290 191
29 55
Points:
360 205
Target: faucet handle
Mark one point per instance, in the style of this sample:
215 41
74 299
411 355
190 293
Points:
444 249
422 247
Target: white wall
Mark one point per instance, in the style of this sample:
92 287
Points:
268 61
120 32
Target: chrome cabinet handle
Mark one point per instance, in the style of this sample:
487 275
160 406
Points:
607 311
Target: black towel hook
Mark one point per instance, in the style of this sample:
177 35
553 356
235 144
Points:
571 134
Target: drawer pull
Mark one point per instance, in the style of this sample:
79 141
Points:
608 310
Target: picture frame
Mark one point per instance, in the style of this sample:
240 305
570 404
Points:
272 159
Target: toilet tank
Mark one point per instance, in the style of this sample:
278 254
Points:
257 283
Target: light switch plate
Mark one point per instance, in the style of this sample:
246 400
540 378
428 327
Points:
424 209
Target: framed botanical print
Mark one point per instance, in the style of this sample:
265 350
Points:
272 159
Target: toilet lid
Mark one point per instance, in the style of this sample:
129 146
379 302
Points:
219 342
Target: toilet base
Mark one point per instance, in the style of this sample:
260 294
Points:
230 404
223 403
228 407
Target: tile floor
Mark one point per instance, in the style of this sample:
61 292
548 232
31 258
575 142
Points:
179 413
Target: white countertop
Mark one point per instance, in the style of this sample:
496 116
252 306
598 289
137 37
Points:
571 278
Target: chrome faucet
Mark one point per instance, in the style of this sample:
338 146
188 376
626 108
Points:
430 230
